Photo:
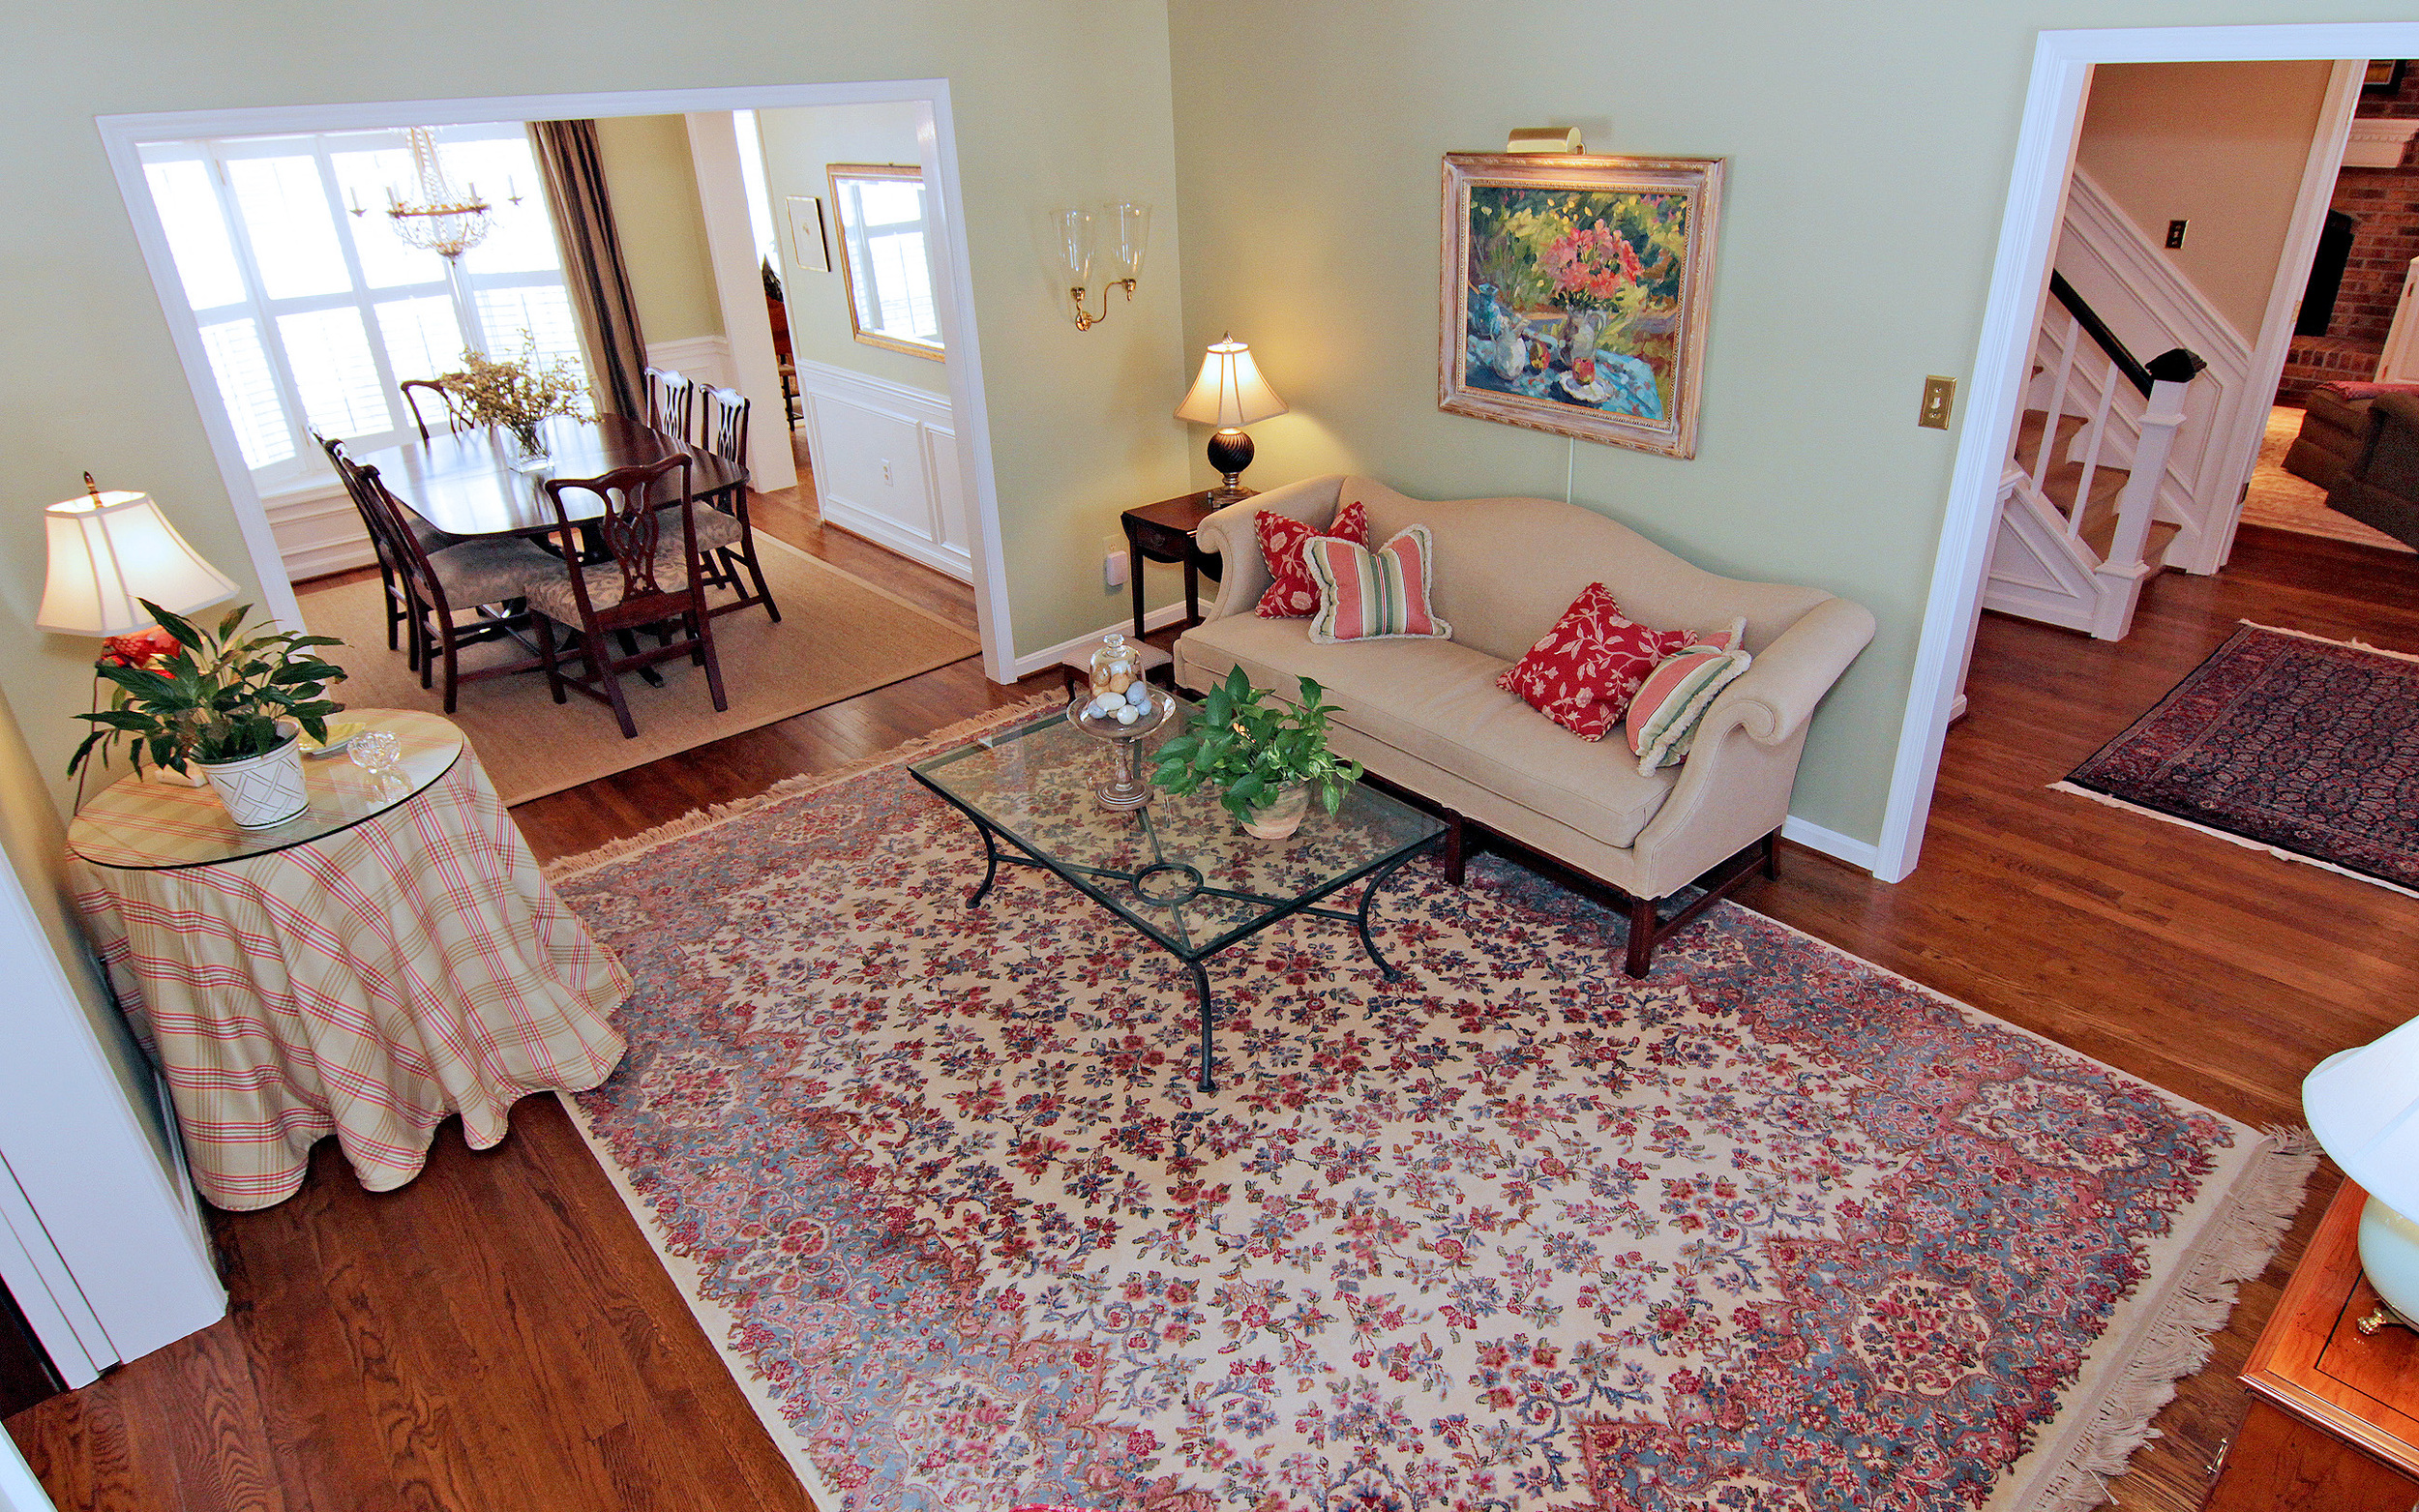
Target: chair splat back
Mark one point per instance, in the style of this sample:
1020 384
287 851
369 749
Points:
670 402
723 425
631 526
413 388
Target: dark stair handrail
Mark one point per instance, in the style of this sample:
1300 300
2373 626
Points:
2177 365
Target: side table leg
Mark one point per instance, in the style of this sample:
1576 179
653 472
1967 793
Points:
1208 1082
1134 575
991 866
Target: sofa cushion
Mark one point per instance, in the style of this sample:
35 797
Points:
1671 703
1365 595
1436 701
1583 672
1292 593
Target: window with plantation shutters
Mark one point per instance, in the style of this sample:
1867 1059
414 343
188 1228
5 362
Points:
312 310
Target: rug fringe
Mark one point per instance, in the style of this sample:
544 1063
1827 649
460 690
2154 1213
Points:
2324 640
2233 839
564 868
2178 1342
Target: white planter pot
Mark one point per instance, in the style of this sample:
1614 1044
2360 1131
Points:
1281 815
262 790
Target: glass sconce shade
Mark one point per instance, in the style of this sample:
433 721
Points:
1070 247
1122 233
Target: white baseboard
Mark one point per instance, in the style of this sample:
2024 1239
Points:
1048 656
1861 853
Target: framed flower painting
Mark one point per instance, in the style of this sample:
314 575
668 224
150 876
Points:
1575 294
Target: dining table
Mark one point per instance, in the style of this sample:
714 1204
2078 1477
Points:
469 482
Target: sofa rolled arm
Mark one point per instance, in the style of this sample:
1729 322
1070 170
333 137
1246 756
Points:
1242 576
1775 695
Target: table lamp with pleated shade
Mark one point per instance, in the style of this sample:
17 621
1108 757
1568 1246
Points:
1230 394
2363 1106
111 550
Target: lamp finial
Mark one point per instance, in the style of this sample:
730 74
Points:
92 489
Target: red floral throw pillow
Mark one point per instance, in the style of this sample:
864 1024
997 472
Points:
1293 594
1585 671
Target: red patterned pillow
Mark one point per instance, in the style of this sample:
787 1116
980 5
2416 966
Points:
1587 669
1292 594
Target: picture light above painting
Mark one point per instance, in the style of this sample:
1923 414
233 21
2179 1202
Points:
1575 294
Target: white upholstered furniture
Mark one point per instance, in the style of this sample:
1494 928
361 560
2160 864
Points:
1426 715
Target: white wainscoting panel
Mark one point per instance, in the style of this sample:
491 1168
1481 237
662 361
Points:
885 466
704 357
317 531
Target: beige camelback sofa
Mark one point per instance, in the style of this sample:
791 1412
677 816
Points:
1426 715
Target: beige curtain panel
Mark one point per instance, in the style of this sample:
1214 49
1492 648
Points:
592 264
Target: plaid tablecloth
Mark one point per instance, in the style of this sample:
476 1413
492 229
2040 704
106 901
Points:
365 985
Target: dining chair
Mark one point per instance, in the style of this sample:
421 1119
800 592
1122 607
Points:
413 388
652 580
670 402
481 578
724 537
398 599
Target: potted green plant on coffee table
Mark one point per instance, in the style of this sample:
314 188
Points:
228 704
1264 760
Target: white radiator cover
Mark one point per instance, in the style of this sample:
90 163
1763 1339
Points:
885 466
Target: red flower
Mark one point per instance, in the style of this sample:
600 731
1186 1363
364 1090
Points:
139 649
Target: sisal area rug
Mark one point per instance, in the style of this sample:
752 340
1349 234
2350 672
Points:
838 636
2285 742
1773 1229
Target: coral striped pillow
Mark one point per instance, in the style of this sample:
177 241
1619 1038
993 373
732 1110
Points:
1672 702
1292 594
1379 595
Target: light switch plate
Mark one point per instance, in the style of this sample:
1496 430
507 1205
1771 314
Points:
1940 396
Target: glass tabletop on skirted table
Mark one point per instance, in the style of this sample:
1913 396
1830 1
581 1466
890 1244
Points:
1178 869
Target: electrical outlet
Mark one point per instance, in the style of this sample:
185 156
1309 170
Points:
1940 396
1113 569
2175 234
886 480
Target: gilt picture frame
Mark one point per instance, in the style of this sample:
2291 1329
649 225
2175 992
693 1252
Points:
1575 294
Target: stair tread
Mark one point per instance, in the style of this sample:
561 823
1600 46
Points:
2029 428
2099 534
2106 483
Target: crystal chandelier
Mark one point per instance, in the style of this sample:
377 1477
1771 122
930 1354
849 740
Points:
442 220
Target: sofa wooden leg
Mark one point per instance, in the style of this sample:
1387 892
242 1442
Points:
1772 857
1641 936
1456 842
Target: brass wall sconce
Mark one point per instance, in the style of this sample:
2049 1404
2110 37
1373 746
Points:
1116 234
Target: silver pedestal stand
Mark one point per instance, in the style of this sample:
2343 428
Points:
1125 786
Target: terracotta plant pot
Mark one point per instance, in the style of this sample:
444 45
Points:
1281 815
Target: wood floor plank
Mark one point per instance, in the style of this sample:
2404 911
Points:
500 1333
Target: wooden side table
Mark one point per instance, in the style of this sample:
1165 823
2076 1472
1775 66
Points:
2334 1420
1163 532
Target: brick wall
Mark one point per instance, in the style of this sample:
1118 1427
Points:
2385 201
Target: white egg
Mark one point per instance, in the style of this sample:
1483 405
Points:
1127 714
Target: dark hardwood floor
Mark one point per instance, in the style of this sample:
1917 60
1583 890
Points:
499 1334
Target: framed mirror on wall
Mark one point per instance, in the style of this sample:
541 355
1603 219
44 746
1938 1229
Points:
879 208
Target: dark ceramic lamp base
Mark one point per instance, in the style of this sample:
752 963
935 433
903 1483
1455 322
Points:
1229 452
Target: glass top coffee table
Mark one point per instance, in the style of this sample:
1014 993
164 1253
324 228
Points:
1179 870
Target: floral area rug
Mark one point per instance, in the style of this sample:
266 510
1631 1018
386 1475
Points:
2283 742
1772 1228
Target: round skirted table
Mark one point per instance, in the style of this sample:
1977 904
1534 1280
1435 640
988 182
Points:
390 956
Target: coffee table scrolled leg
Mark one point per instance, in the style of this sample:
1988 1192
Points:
1208 1082
1369 896
991 866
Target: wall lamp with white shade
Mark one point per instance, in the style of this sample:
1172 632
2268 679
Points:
1116 234
2363 1106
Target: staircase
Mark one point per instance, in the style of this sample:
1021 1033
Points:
2079 500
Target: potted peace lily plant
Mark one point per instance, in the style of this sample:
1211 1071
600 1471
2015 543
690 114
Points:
1263 759
228 704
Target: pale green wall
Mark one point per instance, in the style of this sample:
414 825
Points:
1869 150
798 145
653 185
1054 100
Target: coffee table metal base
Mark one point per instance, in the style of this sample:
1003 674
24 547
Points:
1173 882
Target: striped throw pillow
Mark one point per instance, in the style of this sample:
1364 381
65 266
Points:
1379 595
1672 702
